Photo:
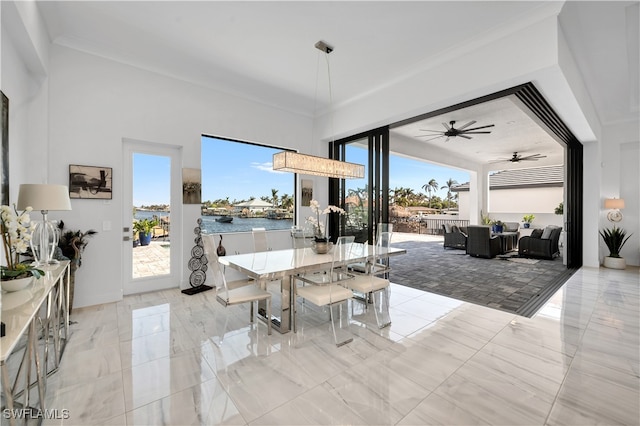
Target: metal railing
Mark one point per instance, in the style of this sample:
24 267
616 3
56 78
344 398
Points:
426 225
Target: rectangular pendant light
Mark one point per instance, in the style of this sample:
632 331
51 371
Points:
304 164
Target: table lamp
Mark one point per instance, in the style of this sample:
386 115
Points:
44 197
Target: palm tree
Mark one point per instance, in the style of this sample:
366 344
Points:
431 186
450 183
286 201
403 196
274 197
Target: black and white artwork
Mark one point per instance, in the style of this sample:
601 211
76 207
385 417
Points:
307 192
191 186
4 125
90 182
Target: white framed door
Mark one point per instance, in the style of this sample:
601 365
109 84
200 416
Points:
152 176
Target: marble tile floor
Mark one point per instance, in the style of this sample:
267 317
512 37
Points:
151 359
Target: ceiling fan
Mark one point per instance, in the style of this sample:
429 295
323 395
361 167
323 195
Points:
452 132
516 158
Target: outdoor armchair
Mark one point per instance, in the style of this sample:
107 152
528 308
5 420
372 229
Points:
454 238
545 247
480 243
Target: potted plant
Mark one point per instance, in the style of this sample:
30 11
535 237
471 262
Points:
528 218
614 238
144 227
559 209
321 239
72 245
16 233
497 226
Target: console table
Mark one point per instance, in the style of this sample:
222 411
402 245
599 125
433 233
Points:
39 313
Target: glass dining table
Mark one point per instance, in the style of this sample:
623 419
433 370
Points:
285 265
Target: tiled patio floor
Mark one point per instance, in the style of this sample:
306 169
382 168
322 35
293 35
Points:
151 260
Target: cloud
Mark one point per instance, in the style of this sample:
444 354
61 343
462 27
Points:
265 167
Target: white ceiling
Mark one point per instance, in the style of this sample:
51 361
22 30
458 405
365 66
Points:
264 50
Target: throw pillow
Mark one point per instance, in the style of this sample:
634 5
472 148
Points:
536 233
546 234
447 227
454 228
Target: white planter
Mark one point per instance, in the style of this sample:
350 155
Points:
615 262
16 285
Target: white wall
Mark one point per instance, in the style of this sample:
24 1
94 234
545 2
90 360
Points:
620 178
27 91
95 103
510 205
531 200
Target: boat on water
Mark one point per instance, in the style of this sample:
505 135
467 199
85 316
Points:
224 219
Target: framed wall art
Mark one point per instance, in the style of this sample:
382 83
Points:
4 126
90 182
307 192
191 186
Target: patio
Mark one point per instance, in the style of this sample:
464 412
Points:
513 285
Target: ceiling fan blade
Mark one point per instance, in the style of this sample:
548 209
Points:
473 133
467 125
430 135
463 136
433 131
533 157
481 127
437 137
446 126
501 160
447 140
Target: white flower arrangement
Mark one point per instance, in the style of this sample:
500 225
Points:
319 228
16 231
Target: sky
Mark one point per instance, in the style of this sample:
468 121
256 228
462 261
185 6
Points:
239 170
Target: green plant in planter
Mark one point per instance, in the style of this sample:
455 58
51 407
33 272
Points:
615 239
528 218
485 220
497 225
144 226
559 209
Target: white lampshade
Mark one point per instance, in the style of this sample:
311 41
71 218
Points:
614 203
44 197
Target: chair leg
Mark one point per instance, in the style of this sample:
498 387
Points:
381 308
269 317
340 327
251 312
294 307
224 329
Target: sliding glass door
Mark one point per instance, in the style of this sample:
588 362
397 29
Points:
366 200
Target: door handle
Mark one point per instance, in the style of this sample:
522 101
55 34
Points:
126 238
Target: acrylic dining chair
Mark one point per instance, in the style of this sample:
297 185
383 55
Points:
329 291
234 292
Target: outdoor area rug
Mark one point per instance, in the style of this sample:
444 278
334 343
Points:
505 284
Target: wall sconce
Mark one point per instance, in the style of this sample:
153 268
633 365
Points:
614 204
